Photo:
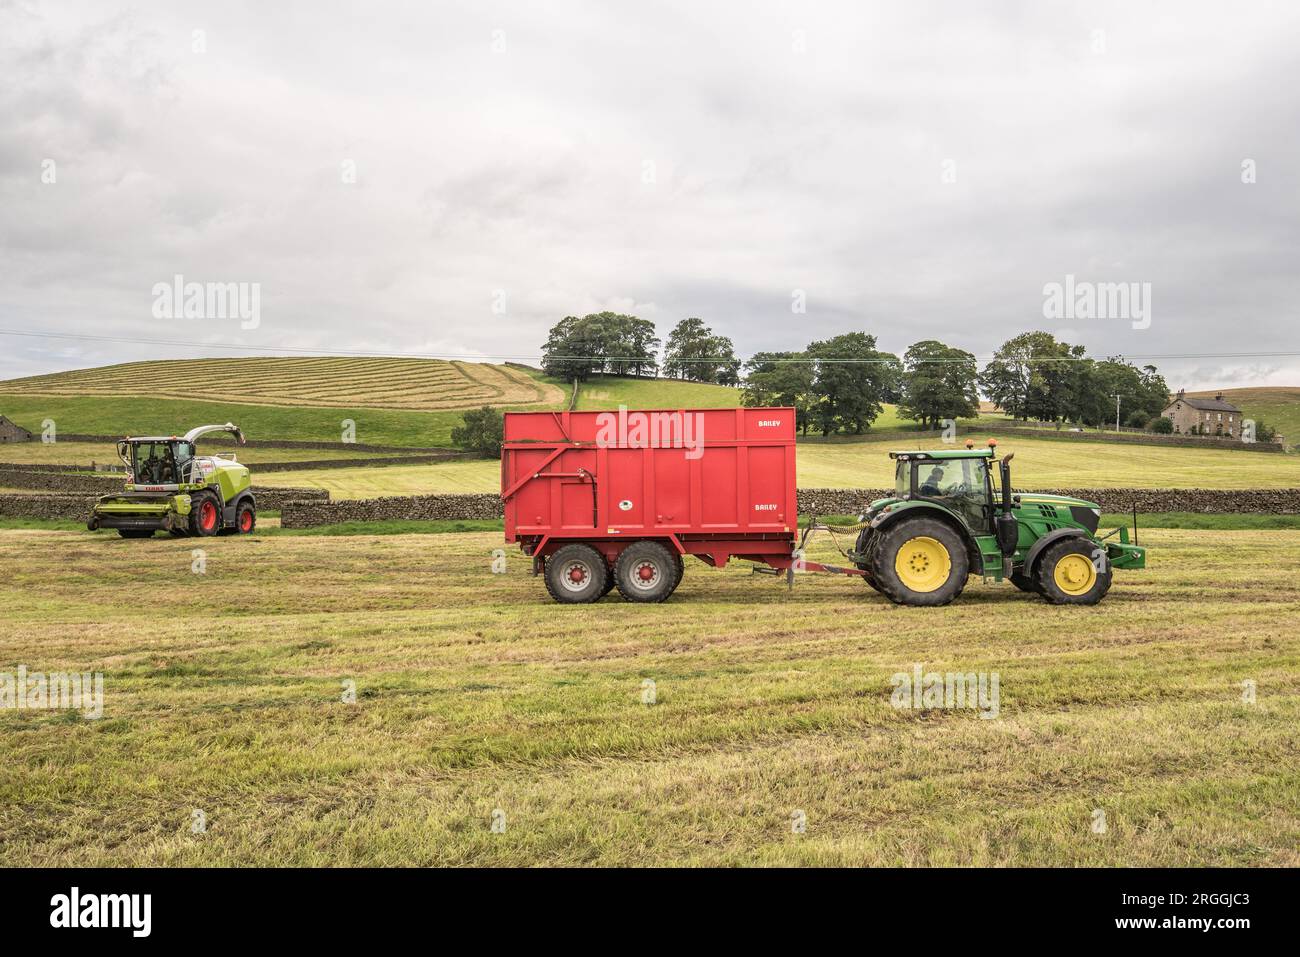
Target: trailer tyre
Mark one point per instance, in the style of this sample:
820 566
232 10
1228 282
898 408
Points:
576 575
646 572
920 561
1067 573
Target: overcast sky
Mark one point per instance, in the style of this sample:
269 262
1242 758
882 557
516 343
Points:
917 170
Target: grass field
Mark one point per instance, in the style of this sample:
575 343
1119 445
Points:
108 415
1278 406
610 393
475 694
330 381
1039 463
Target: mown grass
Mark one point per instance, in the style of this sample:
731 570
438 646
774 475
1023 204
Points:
127 415
475 693
375 382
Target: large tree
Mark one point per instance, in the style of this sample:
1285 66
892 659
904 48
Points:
851 377
693 352
1035 376
602 342
939 382
1143 393
781 378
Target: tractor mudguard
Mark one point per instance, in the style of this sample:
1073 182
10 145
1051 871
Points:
230 509
1037 548
915 508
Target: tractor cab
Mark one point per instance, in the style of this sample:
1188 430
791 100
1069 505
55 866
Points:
959 480
157 460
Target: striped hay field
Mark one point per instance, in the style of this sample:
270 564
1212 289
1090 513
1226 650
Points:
379 383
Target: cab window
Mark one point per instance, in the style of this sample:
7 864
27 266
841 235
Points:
959 484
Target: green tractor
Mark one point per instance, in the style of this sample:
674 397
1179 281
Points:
170 487
949 519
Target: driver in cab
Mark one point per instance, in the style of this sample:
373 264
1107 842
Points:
931 484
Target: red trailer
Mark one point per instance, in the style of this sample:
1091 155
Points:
605 499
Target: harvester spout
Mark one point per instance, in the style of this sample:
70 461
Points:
230 427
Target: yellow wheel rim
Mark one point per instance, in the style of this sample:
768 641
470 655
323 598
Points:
922 564
1074 574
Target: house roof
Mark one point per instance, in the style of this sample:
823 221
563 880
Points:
1206 405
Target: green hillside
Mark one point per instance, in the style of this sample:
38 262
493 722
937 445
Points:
609 392
302 381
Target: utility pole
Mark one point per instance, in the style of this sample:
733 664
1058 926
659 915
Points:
1117 411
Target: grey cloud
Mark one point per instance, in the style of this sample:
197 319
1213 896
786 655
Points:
522 171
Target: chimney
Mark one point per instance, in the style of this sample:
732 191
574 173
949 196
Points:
1219 397
1180 394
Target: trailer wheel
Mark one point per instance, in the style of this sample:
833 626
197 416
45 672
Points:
920 561
1067 575
576 575
647 572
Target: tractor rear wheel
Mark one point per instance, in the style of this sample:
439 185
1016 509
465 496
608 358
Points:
205 515
576 575
919 561
1067 573
245 518
866 550
135 532
646 572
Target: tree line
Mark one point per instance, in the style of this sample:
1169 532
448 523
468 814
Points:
841 384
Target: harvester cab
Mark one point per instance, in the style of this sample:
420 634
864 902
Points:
954 513
170 487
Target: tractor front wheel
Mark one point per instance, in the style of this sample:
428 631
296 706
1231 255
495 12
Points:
1068 573
919 561
205 515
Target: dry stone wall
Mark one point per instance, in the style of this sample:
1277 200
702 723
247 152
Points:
838 501
76 507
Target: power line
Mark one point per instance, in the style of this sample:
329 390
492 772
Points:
359 353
